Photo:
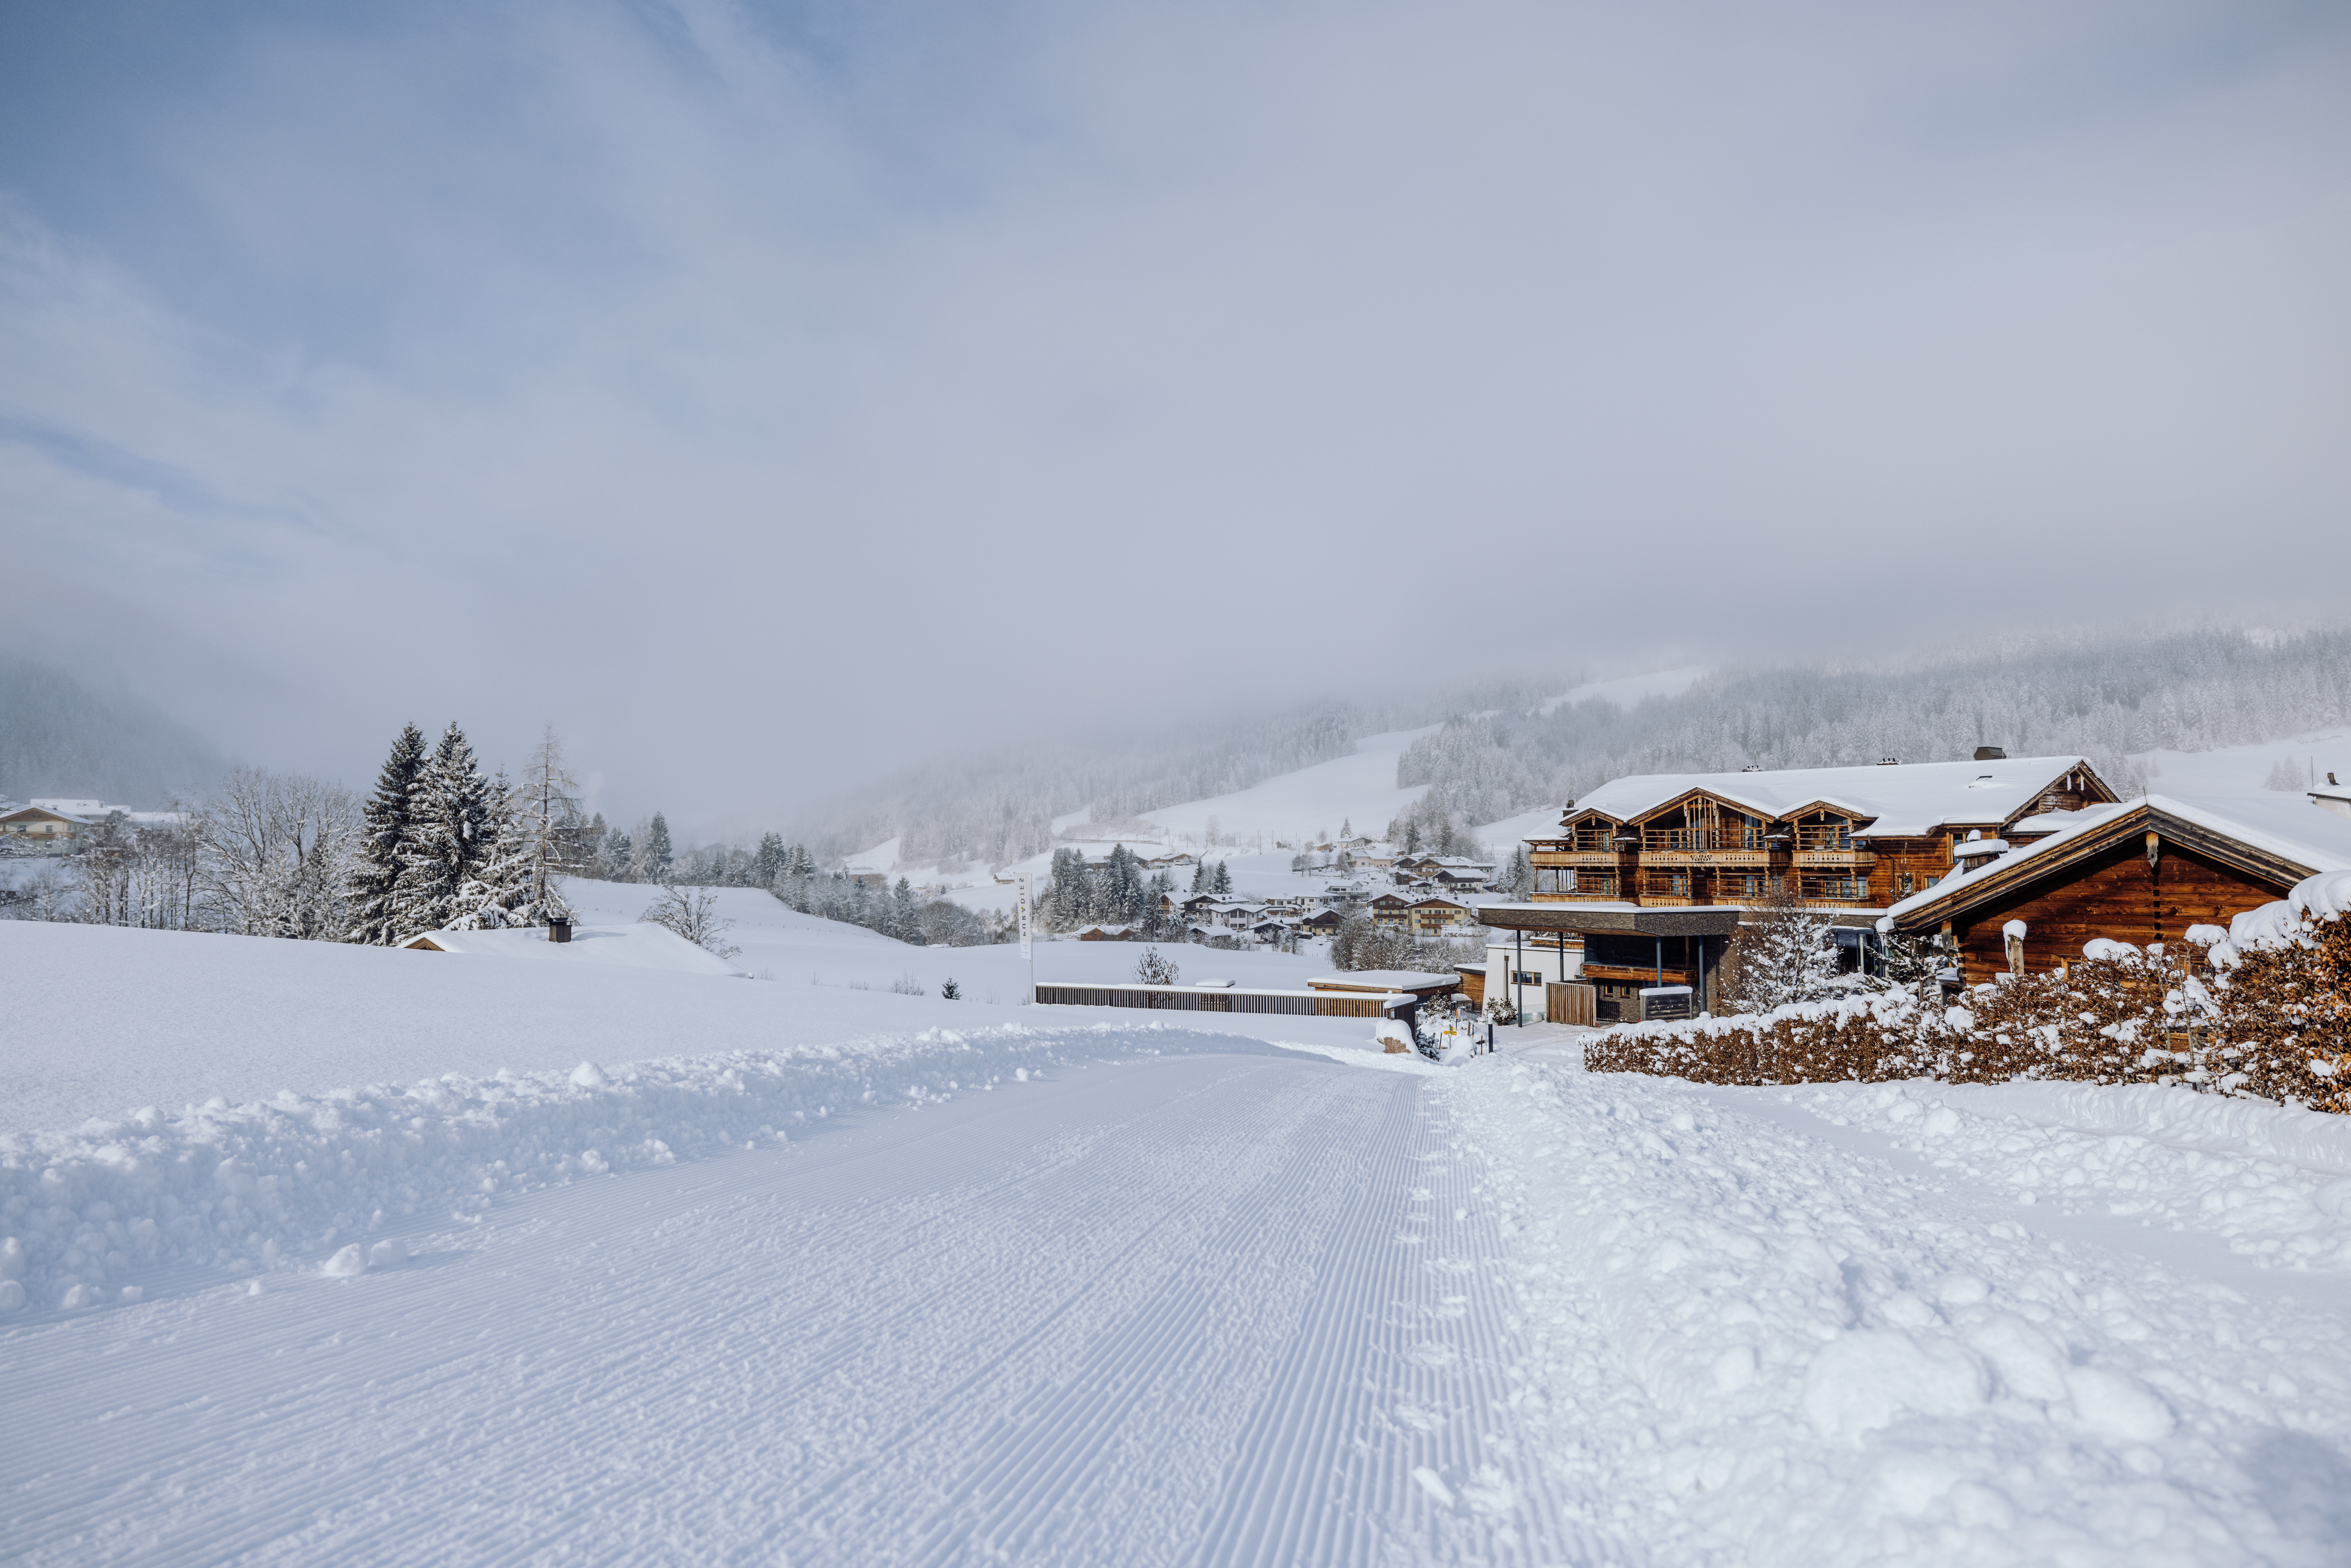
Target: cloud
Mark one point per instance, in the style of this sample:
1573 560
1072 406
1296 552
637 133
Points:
772 397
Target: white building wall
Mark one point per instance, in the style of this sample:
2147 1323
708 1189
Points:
1544 962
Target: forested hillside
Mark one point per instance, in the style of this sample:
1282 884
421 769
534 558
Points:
58 738
2103 697
999 807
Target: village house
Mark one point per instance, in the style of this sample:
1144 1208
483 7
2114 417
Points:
43 827
2141 872
1434 918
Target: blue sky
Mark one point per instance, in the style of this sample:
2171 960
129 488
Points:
770 395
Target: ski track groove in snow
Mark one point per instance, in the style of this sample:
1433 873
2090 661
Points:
1087 1319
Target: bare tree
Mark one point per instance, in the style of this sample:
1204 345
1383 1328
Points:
146 874
275 848
693 914
550 806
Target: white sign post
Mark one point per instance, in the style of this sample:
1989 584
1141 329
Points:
1028 951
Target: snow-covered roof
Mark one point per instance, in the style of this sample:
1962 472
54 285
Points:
640 945
50 812
1909 800
74 808
1381 981
2287 826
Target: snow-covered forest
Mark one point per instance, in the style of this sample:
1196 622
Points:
58 737
2103 694
2103 697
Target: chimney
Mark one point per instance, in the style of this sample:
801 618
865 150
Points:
558 929
1991 753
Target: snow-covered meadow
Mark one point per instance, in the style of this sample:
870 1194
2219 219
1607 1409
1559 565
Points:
315 1252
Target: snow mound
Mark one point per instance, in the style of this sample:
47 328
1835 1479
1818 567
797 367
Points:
253 1186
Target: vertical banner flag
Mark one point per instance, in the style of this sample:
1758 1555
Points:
1025 953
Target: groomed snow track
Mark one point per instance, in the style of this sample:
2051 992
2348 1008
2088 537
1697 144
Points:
1224 1309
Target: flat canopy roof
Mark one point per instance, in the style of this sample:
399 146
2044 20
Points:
1685 920
1679 920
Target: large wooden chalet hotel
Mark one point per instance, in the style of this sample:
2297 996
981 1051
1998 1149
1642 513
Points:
1644 886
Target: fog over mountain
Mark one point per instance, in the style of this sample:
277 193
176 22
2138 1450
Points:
58 737
1503 749
778 395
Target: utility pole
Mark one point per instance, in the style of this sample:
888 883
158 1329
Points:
1027 949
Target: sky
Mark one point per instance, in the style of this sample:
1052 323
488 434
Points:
770 396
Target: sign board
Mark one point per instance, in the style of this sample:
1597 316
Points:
1665 1001
1024 951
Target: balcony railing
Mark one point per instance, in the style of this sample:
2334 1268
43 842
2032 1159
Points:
1668 838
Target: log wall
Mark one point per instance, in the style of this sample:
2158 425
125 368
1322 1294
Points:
2114 894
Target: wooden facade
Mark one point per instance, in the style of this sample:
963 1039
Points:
1702 847
2145 876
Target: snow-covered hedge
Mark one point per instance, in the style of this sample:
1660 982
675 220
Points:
278 1183
2262 1009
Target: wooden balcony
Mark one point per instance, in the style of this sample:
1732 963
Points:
1629 974
1701 840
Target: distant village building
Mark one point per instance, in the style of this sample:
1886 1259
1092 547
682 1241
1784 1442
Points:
2334 798
44 826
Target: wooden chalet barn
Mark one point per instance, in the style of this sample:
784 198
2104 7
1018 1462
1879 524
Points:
2141 872
1646 882
1323 923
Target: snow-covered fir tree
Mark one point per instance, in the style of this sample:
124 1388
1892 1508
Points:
615 856
1221 884
449 834
504 888
767 864
1784 953
653 855
383 838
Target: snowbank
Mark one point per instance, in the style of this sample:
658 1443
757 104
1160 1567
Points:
2272 1182
279 1183
1773 1349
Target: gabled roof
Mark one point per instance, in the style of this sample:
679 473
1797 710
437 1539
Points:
44 813
1911 800
2282 838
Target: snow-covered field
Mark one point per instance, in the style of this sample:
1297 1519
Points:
728 1270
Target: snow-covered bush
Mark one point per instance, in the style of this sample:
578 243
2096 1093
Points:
2261 1009
693 914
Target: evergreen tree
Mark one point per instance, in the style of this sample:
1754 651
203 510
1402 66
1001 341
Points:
1518 877
1222 884
653 855
1782 952
614 858
1200 875
504 889
383 837
769 863
903 924
450 833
